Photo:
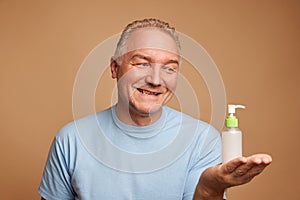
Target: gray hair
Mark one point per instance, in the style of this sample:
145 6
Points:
144 23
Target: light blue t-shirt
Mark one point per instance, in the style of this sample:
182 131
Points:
99 157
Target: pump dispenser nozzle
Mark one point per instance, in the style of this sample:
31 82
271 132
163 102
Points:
231 108
231 120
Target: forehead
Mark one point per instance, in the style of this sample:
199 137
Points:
151 38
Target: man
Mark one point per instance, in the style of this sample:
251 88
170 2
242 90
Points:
146 65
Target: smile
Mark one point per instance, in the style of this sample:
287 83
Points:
148 92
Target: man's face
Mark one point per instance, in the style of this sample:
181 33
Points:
148 72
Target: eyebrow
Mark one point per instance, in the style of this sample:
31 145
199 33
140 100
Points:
141 57
149 59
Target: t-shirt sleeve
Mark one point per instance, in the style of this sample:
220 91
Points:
56 180
207 153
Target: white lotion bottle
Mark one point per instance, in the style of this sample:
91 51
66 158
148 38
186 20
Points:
231 136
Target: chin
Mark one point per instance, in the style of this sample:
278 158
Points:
148 110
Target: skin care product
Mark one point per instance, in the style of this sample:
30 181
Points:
231 136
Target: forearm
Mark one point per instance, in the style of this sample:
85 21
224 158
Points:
201 194
210 186
204 192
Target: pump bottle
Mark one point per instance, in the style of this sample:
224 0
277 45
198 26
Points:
231 136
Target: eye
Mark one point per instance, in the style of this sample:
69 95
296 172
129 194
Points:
169 69
141 65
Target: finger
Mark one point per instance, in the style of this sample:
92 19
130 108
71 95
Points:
232 165
252 173
254 162
250 168
256 170
243 169
260 158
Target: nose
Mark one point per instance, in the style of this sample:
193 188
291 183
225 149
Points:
153 77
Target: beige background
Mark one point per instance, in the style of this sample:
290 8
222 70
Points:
255 45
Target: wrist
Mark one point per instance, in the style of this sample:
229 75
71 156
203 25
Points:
204 192
209 187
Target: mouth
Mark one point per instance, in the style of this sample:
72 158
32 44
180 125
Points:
148 92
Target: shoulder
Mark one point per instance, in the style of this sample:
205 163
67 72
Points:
70 135
88 122
176 115
192 127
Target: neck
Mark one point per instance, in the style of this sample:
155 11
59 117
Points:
133 117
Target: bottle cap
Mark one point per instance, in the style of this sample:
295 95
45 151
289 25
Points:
231 122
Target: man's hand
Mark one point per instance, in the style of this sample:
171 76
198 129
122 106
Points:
216 179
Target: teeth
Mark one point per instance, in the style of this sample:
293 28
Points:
148 92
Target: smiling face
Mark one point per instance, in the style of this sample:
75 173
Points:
147 74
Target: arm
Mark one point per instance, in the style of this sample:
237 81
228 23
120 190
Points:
56 180
216 179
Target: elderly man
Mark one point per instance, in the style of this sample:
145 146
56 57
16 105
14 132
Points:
146 66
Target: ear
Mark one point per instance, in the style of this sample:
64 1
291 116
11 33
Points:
114 68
